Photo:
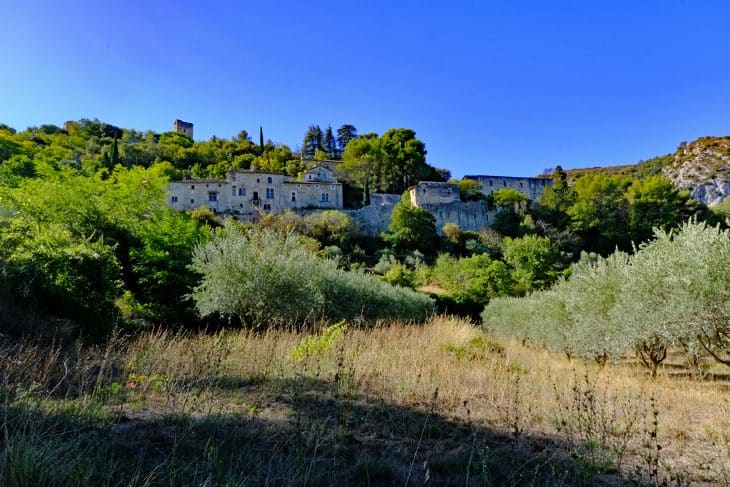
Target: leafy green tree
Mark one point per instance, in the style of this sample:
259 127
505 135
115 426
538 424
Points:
390 163
600 214
474 279
331 227
17 168
555 201
412 228
48 270
469 190
510 198
654 203
535 261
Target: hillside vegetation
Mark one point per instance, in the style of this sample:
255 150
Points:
145 346
702 167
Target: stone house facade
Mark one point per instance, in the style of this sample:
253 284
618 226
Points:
533 188
443 201
430 193
246 192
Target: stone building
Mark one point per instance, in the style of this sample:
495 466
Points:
430 192
533 188
443 201
185 128
246 192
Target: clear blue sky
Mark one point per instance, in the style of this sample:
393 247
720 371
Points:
491 87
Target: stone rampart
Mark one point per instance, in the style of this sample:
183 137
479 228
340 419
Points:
469 215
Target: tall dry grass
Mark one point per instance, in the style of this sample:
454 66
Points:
615 423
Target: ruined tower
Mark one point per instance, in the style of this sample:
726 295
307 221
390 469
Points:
185 128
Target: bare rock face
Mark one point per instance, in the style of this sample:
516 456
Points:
703 168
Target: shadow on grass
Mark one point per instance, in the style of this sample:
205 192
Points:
305 431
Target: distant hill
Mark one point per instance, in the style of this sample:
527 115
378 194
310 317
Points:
702 167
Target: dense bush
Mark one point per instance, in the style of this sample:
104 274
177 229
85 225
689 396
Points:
47 271
117 220
264 279
674 291
472 279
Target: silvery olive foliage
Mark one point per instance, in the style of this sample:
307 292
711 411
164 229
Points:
673 291
265 279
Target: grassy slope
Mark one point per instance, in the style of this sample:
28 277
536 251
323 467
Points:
383 406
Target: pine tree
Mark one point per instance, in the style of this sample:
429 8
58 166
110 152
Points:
330 145
312 142
345 134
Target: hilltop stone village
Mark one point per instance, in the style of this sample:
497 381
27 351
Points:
244 194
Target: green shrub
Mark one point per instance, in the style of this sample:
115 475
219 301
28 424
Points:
263 279
399 275
472 279
49 271
675 290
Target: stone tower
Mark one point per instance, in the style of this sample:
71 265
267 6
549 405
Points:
185 128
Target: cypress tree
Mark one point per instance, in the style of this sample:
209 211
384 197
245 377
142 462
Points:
114 159
261 138
330 144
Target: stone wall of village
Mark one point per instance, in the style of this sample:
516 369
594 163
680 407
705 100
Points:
533 188
245 194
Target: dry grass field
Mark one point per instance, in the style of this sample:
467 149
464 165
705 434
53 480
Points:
440 403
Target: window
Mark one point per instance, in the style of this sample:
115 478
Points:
504 182
293 195
333 186
299 185
174 199
212 196
267 206
491 183
325 198
192 186
241 191
233 177
192 201
309 177
269 193
521 185
269 179
240 205
233 191
255 195
258 180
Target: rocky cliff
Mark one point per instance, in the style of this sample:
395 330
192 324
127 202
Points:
703 168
